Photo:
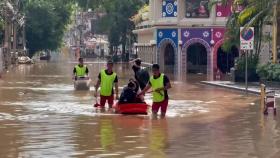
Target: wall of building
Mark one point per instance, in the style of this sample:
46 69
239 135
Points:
159 16
145 38
175 27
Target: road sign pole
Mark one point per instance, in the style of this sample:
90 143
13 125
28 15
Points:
246 44
246 70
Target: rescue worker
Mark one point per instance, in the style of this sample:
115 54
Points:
160 84
80 70
107 79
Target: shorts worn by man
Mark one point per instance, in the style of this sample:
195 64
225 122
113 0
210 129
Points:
106 80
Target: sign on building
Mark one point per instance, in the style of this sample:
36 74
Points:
247 38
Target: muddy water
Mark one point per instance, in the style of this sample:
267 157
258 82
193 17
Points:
42 116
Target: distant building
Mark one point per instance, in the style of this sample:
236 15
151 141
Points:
184 36
83 37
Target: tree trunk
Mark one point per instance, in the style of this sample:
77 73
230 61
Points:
111 50
260 38
123 46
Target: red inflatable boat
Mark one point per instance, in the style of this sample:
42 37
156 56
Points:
131 108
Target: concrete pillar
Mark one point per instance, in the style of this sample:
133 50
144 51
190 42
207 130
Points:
213 15
181 9
179 55
158 9
210 65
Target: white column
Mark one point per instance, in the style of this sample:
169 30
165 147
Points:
210 65
213 15
181 9
179 55
158 9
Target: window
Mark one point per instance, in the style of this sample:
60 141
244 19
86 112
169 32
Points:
197 9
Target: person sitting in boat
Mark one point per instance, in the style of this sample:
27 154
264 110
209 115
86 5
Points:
137 90
128 94
80 70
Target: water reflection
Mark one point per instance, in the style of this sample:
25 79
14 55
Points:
107 134
158 138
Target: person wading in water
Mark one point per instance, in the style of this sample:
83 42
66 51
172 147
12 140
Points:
80 70
160 84
107 79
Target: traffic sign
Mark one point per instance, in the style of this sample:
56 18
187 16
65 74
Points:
247 38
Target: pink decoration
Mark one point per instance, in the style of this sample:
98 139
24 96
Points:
223 10
218 34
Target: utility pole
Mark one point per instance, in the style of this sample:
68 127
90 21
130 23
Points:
274 34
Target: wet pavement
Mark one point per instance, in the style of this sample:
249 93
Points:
42 116
252 87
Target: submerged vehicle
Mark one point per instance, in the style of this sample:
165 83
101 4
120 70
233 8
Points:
24 60
82 83
46 57
131 108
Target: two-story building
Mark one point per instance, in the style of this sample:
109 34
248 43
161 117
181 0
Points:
185 36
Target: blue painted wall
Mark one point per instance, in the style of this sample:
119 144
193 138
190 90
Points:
171 34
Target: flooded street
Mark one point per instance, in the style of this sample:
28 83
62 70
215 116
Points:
42 116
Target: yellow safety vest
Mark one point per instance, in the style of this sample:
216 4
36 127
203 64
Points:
80 71
107 82
157 83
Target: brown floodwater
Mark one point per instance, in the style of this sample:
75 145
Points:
42 116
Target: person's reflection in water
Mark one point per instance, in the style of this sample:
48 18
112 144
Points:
158 138
107 134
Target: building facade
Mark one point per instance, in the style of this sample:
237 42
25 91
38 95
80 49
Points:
185 36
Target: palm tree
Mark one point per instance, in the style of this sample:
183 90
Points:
251 13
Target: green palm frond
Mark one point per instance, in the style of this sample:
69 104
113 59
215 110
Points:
257 18
256 13
246 15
